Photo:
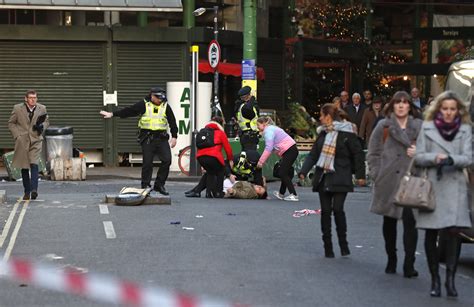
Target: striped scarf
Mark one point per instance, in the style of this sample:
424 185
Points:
328 153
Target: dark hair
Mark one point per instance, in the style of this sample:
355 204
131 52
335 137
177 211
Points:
30 92
331 110
397 97
218 120
263 196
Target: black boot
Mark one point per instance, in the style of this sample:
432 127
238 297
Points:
453 249
341 229
160 189
410 239
193 194
432 257
326 230
390 237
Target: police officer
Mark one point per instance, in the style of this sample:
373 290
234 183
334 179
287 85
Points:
156 118
247 112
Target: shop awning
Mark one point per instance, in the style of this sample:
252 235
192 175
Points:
229 69
95 5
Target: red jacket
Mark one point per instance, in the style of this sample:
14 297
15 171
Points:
220 139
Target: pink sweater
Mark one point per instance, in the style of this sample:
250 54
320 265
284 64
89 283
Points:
276 139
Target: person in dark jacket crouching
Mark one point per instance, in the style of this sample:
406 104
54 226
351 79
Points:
335 152
212 159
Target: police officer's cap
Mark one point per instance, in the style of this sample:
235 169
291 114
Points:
158 92
244 91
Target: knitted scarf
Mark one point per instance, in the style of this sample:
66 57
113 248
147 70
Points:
328 153
447 130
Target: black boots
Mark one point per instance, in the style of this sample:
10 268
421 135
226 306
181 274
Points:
391 267
410 239
390 238
160 189
326 230
341 229
432 258
453 249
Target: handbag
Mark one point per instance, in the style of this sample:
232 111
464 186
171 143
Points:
415 192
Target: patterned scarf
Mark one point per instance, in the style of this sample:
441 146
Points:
447 130
328 153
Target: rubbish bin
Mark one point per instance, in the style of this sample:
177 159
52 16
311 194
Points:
58 143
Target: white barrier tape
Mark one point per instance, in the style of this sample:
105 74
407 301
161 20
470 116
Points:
100 287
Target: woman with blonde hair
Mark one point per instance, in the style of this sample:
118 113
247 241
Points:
277 140
444 148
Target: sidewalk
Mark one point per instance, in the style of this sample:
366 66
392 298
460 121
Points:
109 173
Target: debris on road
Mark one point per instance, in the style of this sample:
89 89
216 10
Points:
175 223
188 228
231 214
305 212
199 216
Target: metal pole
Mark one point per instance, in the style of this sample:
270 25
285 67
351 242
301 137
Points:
193 166
188 17
216 73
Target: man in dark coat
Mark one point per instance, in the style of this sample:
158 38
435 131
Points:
355 110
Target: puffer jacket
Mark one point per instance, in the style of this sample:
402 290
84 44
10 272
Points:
220 139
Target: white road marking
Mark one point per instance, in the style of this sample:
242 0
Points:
8 224
104 209
109 230
15 232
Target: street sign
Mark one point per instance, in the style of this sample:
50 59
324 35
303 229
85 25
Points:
249 70
214 54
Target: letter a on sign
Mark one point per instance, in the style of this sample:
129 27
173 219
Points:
214 54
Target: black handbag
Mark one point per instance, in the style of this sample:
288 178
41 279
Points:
276 170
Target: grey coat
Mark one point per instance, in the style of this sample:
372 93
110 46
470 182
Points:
388 162
452 207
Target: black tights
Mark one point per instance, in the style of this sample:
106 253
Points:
410 236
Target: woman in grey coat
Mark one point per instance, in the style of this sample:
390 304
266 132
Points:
444 148
391 148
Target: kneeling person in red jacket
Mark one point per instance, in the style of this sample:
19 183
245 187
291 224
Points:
212 159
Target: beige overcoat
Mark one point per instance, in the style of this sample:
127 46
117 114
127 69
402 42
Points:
28 143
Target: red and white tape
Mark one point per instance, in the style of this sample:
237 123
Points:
100 287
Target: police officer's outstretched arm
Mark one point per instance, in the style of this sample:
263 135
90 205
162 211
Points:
130 111
173 126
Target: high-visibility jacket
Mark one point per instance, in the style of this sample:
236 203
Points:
154 117
242 167
247 124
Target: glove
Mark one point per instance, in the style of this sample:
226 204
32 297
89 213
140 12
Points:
39 128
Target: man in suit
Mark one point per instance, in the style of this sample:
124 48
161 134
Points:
27 123
416 99
355 111
344 99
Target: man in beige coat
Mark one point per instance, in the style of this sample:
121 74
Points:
27 123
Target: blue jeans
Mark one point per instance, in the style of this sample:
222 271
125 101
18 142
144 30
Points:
30 184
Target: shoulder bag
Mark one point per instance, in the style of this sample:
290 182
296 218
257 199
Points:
415 192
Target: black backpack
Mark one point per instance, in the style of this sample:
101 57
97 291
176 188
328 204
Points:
205 138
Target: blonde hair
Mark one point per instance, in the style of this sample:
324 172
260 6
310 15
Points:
266 120
436 104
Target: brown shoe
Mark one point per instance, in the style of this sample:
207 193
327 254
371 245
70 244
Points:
26 196
34 194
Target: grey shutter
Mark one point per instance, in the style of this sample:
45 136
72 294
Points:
140 66
69 79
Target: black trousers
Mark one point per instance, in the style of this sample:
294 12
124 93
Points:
410 236
286 163
161 148
333 202
214 175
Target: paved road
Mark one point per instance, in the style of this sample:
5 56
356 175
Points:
259 255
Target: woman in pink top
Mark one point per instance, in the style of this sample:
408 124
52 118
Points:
283 145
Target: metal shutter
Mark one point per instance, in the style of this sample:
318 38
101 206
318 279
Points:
69 78
140 66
